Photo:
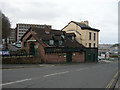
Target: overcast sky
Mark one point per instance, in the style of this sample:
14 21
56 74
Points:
101 14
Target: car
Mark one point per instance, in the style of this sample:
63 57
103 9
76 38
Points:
14 44
1 46
101 57
18 45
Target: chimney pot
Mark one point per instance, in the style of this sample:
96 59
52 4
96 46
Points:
85 22
47 29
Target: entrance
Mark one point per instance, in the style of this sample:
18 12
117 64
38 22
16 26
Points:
94 58
32 49
69 57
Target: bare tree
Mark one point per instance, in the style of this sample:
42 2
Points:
5 27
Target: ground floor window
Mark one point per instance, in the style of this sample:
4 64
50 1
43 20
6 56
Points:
25 44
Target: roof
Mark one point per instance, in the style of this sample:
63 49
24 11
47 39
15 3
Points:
57 38
55 35
73 44
83 26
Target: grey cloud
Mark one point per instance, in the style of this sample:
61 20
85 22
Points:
101 14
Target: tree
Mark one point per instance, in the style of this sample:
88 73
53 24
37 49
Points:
5 27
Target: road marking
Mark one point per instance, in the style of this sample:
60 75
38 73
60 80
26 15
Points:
81 69
15 82
55 74
34 78
111 82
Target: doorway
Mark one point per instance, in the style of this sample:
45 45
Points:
69 57
32 48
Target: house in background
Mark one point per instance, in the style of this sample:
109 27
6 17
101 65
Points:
103 48
55 46
114 49
85 35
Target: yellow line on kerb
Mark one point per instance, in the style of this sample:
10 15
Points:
111 82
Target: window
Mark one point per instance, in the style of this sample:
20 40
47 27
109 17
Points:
94 36
62 36
25 44
89 35
60 42
51 42
94 45
90 45
73 38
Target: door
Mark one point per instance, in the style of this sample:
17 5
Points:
69 57
32 49
94 59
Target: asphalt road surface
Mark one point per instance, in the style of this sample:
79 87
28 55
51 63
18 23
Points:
84 75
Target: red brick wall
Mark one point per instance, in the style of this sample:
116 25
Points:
54 58
76 57
24 39
40 51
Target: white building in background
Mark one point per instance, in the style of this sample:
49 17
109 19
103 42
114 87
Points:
21 29
12 37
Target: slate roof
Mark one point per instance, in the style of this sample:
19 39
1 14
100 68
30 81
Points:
55 35
70 43
83 26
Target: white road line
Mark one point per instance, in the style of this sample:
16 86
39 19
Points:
31 78
15 82
81 69
59 73
55 74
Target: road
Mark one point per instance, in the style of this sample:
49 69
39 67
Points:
83 75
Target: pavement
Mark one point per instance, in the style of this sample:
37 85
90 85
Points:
18 66
118 84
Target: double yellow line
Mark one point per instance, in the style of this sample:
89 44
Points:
111 82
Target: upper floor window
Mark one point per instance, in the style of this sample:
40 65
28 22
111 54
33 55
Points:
94 36
25 44
51 42
63 36
89 35
73 38
60 42
89 45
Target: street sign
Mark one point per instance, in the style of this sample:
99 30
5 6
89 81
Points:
4 52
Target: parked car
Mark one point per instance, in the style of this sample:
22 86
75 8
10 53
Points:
18 45
101 57
1 46
14 44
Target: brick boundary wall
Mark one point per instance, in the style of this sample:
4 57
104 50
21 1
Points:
22 60
54 58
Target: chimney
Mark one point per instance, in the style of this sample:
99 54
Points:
47 29
85 22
